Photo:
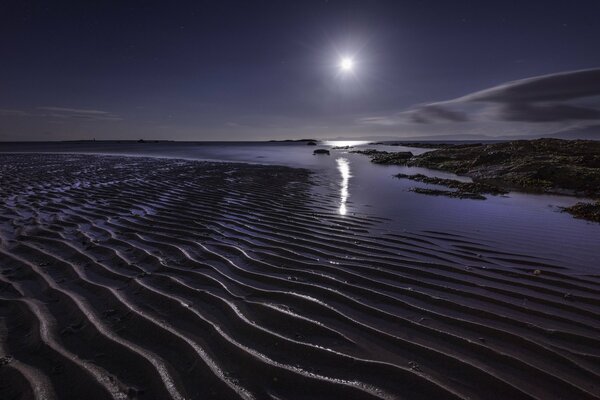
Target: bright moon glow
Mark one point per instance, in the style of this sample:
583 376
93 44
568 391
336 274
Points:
344 168
347 64
344 143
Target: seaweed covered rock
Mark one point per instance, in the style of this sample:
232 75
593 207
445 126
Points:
558 166
463 189
386 157
546 165
449 193
589 211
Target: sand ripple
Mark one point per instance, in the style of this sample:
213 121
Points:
148 278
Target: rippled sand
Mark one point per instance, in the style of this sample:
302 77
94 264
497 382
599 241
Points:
148 278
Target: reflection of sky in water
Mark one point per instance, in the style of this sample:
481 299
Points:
344 167
521 222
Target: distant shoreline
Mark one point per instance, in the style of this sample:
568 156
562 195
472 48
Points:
414 142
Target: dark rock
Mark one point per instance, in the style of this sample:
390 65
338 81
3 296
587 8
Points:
543 165
398 157
449 193
385 157
311 143
434 145
589 211
462 187
557 166
321 151
369 152
426 145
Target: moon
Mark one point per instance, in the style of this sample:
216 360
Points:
346 64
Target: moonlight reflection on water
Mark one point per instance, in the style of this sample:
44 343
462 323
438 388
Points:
344 167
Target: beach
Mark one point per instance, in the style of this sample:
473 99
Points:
139 277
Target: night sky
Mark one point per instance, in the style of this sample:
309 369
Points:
254 70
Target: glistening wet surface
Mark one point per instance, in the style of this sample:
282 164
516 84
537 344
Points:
527 223
159 278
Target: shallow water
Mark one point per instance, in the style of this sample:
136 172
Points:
531 224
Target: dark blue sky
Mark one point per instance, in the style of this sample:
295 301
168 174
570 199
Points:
230 70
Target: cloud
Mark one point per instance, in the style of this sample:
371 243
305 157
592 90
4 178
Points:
545 88
531 112
422 114
13 113
63 113
79 113
566 97
74 110
431 113
381 120
547 98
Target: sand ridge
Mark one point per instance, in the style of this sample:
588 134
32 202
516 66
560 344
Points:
155 278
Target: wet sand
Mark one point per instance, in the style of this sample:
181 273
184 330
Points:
156 278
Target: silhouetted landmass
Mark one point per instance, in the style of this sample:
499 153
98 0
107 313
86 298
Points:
292 140
430 145
149 141
421 145
426 145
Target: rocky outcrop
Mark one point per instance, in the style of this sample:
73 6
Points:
556 166
385 157
449 193
463 190
589 211
321 151
542 165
